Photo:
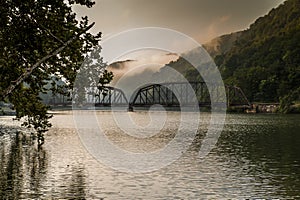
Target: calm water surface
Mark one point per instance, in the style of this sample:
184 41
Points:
257 156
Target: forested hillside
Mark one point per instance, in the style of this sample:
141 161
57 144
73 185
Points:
222 44
263 60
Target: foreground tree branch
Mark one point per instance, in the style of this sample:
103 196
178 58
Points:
42 47
29 71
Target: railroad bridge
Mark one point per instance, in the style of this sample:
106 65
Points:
173 94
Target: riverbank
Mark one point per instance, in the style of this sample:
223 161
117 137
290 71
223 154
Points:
272 108
6 111
295 108
259 107
256 108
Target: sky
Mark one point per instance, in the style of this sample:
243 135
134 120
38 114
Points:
202 20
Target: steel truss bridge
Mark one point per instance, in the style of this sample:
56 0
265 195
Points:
109 96
173 94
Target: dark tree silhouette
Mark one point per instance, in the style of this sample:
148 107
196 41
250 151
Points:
39 40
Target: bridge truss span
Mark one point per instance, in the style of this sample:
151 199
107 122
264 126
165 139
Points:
107 96
175 94
171 94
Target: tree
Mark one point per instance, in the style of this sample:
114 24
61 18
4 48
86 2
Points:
92 76
39 39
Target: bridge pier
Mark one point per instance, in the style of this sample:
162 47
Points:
130 108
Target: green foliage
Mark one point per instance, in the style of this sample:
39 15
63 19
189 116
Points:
286 102
29 31
264 61
28 104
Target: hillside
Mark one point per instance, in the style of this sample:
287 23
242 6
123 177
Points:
222 44
263 60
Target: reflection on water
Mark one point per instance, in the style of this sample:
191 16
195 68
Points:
22 167
268 149
257 156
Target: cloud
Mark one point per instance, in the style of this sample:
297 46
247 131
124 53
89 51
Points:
120 65
218 25
225 18
139 66
171 54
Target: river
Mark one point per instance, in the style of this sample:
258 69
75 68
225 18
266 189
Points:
256 156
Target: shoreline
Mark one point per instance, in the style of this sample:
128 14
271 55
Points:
260 108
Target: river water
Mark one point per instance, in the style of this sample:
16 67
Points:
256 156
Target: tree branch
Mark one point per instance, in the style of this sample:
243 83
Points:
29 71
49 32
44 28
